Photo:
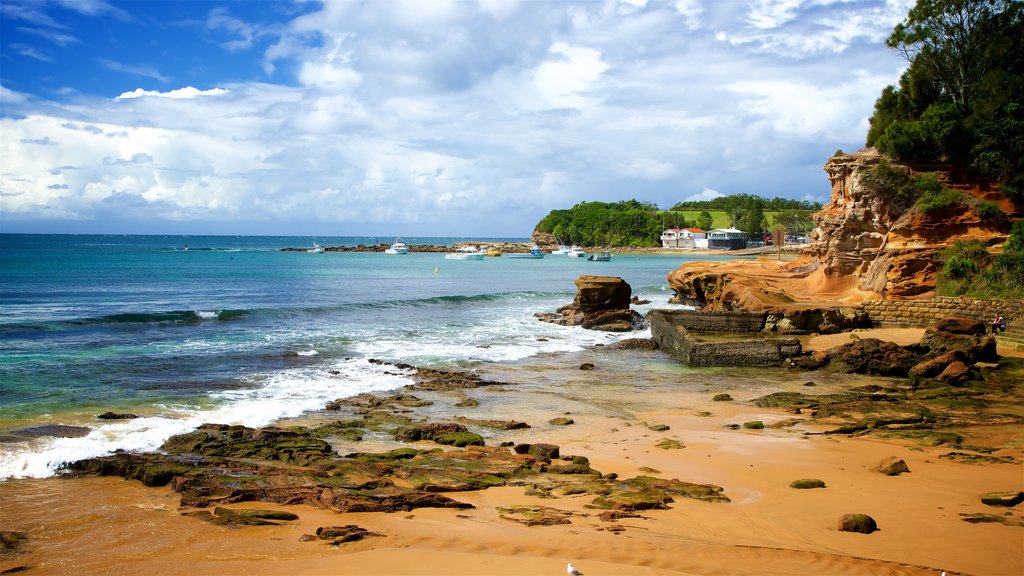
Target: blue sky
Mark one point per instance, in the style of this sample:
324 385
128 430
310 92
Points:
420 117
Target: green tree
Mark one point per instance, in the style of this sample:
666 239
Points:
704 220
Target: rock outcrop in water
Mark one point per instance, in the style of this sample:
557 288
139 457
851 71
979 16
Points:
601 303
863 248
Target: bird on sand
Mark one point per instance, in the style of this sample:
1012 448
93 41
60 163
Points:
573 571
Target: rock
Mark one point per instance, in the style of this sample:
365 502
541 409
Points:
669 444
754 425
586 366
116 416
960 326
1007 499
636 344
861 523
873 356
561 421
11 541
427 431
935 366
976 347
601 303
43 431
892 466
542 451
342 534
236 518
637 301
722 398
659 427
955 373
807 483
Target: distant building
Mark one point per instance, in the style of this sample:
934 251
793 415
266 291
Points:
684 238
727 239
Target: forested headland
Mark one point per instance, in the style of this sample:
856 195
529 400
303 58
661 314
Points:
634 223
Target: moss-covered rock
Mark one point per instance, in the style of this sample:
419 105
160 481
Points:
807 483
722 398
341 534
561 421
459 439
669 444
861 523
754 425
1003 498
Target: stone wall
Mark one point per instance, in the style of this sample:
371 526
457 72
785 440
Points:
926 312
716 321
669 330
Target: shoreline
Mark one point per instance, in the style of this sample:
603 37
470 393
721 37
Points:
95 524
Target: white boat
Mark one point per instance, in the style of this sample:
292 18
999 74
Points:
398 247
562 248
575 252
315 249
465 253
533 254
601 257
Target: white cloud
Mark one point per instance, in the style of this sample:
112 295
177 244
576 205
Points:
180 93
706 194
146 71
480 117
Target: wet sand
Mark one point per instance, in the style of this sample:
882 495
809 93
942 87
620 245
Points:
106 525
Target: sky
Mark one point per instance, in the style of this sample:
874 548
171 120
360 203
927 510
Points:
470 118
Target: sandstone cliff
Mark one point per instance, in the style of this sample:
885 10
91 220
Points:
864 247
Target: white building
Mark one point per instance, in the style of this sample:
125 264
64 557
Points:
684 238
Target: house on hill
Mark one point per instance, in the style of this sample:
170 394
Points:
727 239
684 238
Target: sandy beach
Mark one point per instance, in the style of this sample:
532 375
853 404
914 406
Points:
106 525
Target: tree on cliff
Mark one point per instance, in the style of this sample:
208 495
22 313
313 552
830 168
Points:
961 101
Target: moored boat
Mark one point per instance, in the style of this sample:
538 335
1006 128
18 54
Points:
316 249
398 247
604 256
533 254
465 253
576 252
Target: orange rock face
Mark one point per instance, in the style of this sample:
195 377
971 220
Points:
862 248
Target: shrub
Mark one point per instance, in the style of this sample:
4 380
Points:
933 197
991 213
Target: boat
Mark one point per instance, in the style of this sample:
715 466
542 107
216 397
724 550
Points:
465 253
316 249
533 254
604 256
398 247
492 252
562 248
576 252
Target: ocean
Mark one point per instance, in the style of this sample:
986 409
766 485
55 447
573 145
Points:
236 331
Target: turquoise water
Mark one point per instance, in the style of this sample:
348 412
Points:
234 330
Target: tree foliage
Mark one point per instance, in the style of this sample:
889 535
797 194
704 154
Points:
961 100
969 269
626 223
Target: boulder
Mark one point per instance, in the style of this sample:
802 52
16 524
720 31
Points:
955 373
892 466
342 534
542 451
636 344
933 367
601 303
861 523
1007 499
976 347
722 398
960 326
116 416
807 483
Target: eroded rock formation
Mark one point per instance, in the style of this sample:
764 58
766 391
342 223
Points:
865 247
601 303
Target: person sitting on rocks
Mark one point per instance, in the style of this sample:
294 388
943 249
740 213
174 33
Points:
998 324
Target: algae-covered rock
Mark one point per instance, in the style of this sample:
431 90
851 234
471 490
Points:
754 425
561 421
659 427
650 493
992 519
539 450
722 398
535 515
892 466
296 446
459 439
669 444
861 523
807 484
428 431
236 518
341 534
11 541
1003 498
